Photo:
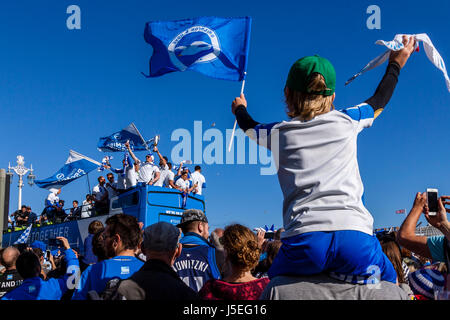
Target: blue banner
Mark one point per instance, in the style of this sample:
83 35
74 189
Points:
75 167
116 141
216 47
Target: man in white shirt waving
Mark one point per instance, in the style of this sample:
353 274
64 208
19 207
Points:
147 171
198 179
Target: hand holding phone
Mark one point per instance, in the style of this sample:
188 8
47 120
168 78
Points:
54 242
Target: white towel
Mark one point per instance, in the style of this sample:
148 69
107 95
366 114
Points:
396 44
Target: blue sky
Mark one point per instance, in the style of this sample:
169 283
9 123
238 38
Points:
62 89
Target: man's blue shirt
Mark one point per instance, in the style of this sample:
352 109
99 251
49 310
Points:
96 276
52 289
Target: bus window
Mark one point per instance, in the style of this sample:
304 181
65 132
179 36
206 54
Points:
126 201
173 199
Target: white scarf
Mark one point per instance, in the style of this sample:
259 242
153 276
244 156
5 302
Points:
396 44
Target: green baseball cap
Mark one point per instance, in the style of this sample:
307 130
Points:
301 71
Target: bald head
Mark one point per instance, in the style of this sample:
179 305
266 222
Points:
9 257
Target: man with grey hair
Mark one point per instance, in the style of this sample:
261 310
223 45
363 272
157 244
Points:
156 280
10 279
199 261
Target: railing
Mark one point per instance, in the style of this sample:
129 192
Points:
428 231
89 210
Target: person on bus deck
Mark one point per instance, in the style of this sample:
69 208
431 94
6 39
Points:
198 178
111 186
199 261
100 194
184 184
51 205
122 237
86 208
75 211
163 168
32 217
60 213
147 171
20 216
33 286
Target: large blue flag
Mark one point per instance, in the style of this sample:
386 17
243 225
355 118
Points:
216 47
116 141
76 166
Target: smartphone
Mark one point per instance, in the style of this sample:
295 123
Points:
54 242
48 254
269 235
432 200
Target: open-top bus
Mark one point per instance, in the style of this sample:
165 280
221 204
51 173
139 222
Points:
149 204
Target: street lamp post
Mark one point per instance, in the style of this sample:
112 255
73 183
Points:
21 170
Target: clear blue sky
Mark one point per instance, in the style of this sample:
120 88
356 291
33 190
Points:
62 89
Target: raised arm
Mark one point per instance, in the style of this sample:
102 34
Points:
407 234
239 109
127 144
161 158
385 89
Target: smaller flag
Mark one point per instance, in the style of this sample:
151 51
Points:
24 236
76 166
116 141
401 211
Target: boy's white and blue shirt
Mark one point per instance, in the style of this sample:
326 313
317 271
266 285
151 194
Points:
318 170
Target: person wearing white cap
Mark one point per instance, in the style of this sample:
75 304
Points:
148 172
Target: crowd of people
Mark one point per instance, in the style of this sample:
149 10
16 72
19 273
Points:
327 249
128 177
124 261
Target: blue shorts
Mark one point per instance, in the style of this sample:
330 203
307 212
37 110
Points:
348 255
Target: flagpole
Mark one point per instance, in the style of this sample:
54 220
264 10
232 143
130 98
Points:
140 135
89 185
235 121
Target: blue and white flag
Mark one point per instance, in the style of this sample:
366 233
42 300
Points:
116 141
216 47
24 236
76 166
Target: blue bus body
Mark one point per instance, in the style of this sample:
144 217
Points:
149 204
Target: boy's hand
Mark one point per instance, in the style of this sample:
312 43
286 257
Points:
237 102
401 56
